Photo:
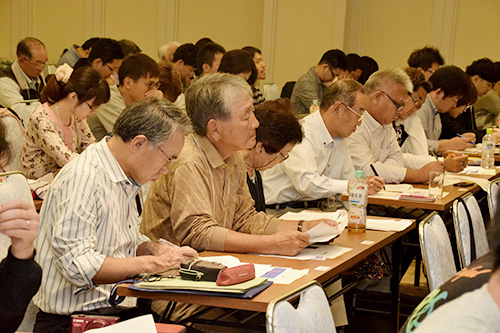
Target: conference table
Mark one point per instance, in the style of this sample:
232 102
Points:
440 205
362 244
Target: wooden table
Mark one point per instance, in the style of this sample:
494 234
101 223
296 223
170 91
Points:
336 266
440 205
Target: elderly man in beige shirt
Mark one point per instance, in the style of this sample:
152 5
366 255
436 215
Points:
204 200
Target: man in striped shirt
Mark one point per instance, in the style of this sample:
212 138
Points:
89 236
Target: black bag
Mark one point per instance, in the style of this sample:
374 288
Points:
200 270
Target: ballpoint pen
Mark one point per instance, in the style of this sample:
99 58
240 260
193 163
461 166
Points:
376 174
461 136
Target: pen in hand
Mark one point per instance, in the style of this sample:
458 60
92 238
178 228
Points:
461 136
376 174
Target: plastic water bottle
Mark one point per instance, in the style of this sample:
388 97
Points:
488 155
358 196
314 106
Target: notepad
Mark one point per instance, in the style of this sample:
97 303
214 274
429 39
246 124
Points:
387 224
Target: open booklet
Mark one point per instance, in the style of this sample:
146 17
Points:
322 232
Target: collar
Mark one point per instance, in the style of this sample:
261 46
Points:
211 152
320 126
110 164
22 79
371 123
431 104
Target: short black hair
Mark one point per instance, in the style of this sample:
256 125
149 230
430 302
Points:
187 53
138 65
353 62
251 50
485 69
202 41
334 58
425 57
370 66
451 80
129 47
106 49
89 43
206 54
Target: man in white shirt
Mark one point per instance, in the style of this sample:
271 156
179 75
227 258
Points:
89 235
23 81
374 144
320 166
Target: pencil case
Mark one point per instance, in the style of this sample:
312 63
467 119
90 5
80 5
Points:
234 275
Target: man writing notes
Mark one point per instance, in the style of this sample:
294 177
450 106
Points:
320 166
89 236
204 201
374 144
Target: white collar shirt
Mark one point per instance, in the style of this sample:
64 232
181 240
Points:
318 167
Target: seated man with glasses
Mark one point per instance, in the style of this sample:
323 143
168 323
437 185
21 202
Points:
89 231
139 79
321 167
374 147
410 133
23 81
312 85
449 85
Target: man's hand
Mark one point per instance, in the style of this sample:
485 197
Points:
458 143
312 223
19 220
375 184
175 256
288 242
154 93
426 169
455 162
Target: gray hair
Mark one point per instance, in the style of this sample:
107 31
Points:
165 49
388 76
341 91
156 119
211 97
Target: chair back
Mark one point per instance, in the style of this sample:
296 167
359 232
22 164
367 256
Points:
493 192
470 231
313 313
436 250
286 91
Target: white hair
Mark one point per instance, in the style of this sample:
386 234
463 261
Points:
166 49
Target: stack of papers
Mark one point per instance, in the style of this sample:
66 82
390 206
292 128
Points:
387 224
316 252
173 283
477 170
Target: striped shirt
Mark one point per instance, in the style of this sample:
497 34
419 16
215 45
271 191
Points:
89 214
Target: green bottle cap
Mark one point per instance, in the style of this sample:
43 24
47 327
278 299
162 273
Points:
489 131
359 174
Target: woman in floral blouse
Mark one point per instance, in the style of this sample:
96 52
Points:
57 130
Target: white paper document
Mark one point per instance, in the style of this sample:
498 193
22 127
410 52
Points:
400 188
143 324
477 170
387 224
316 252
451 179
322 232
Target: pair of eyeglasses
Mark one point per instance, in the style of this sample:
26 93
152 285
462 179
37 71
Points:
38 65
153 85
360 116
284 156
111 68
417 103
399 107
90 106
170 159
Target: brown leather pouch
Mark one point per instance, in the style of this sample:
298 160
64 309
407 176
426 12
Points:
234 275
200 270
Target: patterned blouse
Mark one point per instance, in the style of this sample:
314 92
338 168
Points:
48 146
